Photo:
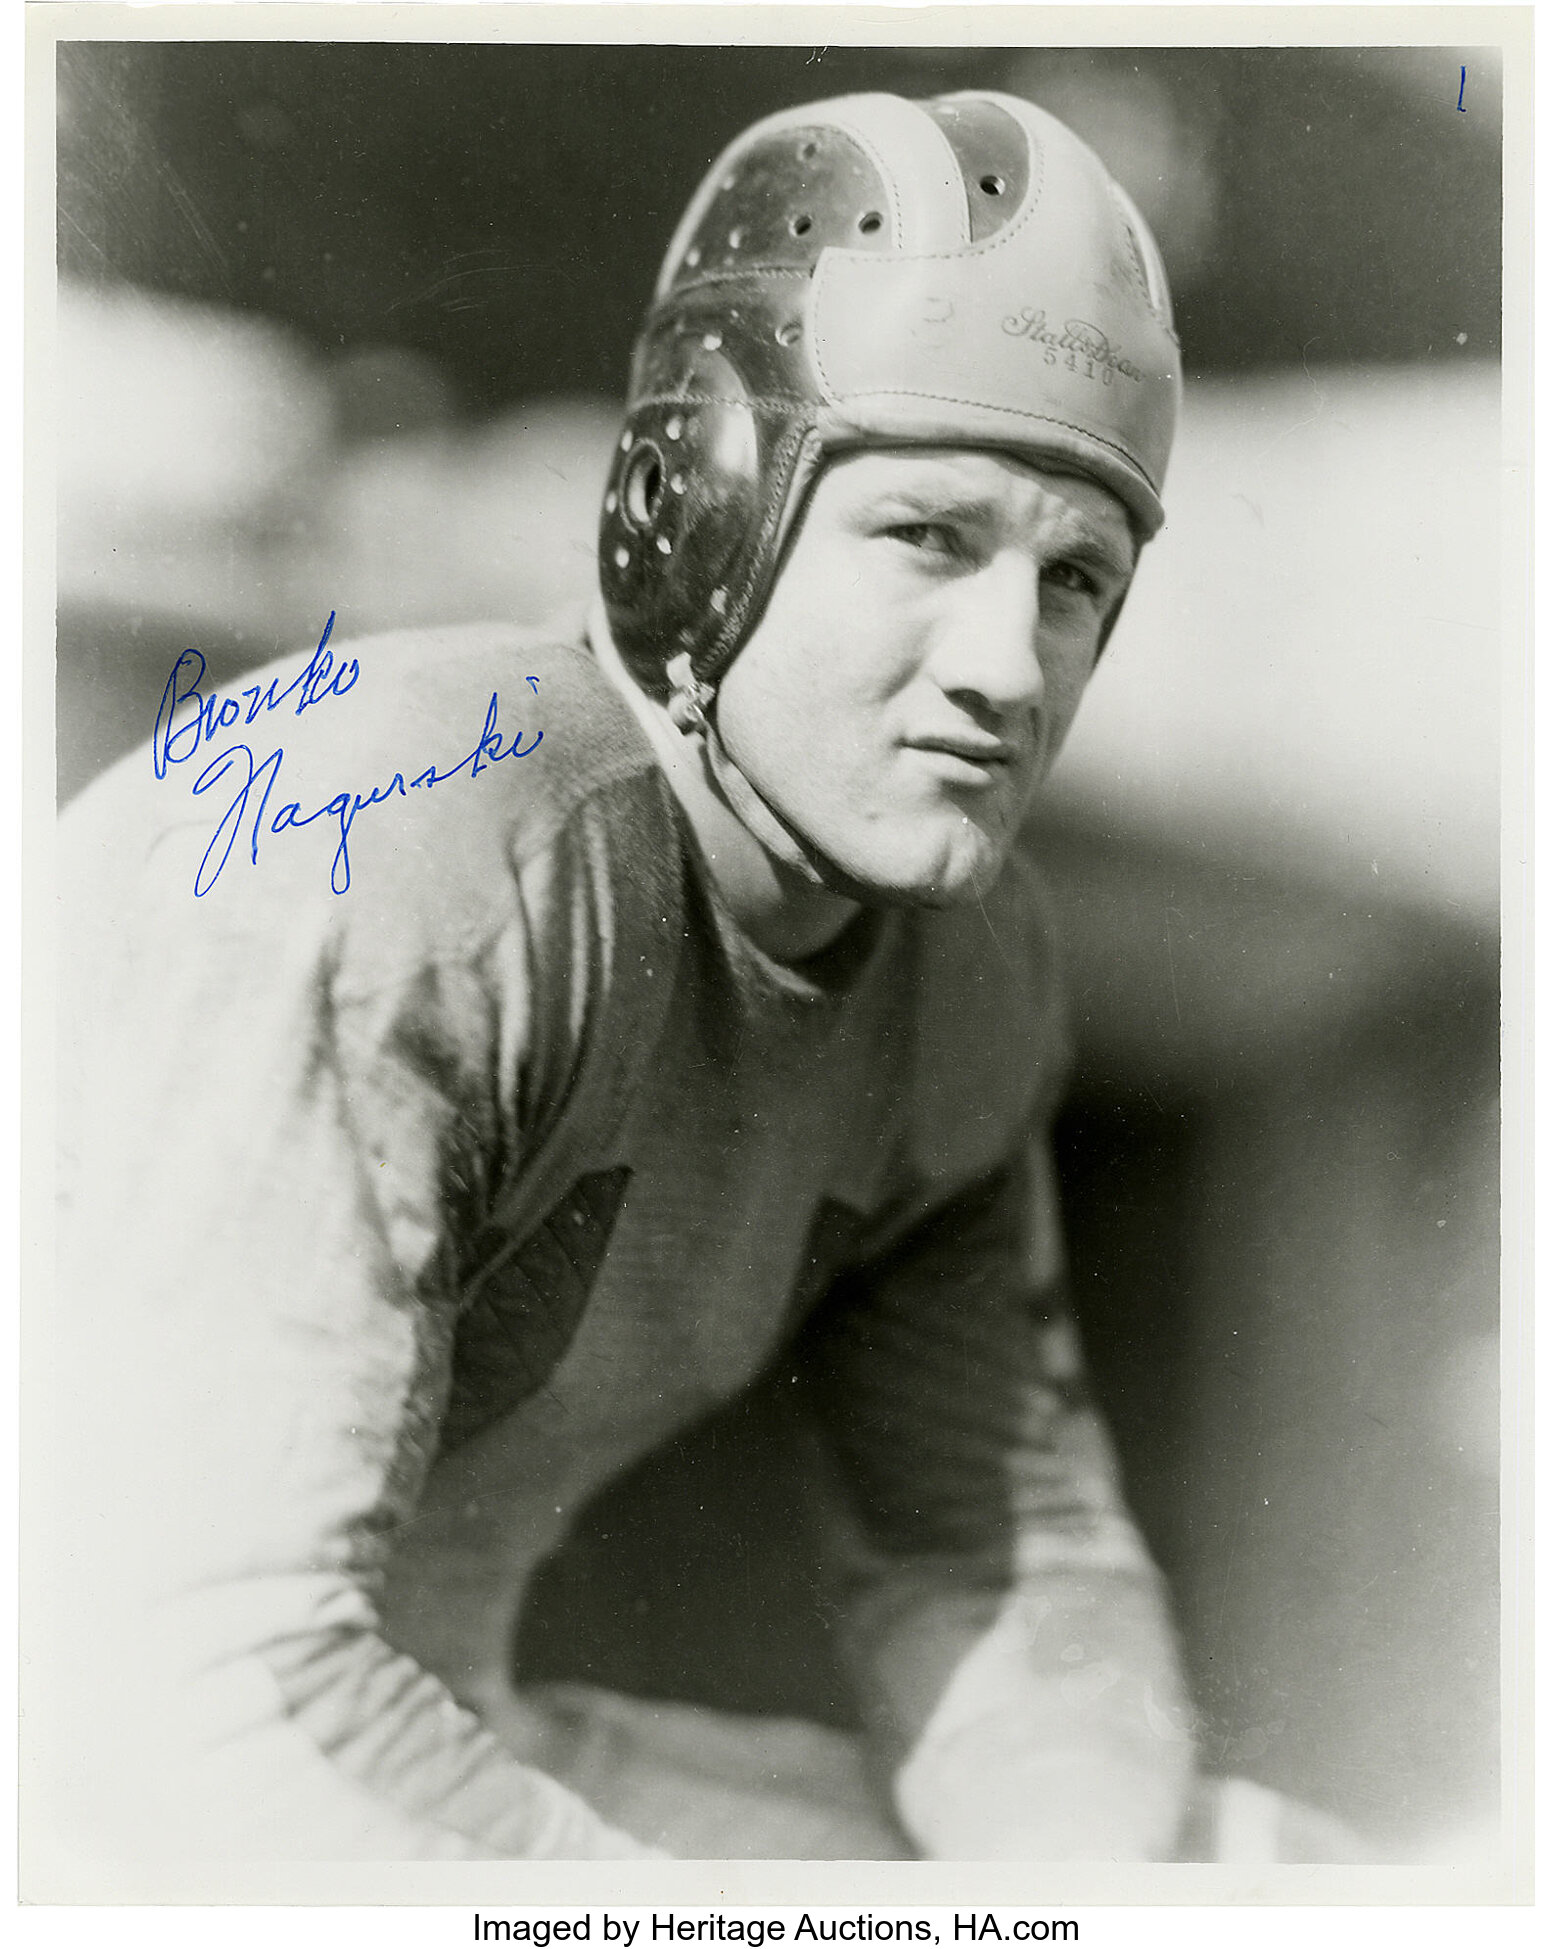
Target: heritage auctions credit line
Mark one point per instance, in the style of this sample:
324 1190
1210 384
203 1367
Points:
668 1926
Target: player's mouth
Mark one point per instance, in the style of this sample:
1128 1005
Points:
971 758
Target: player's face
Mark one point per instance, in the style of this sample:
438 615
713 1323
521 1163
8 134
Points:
921 658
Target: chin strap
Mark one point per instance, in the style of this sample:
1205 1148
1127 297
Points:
689 705
761 818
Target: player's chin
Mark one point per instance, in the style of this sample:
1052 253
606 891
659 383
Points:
951 868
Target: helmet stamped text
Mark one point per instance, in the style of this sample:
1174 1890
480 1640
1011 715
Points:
1088 349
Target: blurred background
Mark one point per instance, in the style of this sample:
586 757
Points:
345 327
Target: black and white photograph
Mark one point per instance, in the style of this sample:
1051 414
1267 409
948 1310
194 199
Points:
781 1115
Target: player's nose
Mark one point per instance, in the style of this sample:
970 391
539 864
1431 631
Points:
988 648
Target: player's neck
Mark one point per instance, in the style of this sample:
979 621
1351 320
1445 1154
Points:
782 913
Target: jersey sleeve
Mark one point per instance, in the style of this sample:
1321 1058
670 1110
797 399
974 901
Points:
244 1367
1007 1631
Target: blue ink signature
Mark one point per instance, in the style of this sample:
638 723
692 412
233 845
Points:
175 745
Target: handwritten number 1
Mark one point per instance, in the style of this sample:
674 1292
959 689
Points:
1461 97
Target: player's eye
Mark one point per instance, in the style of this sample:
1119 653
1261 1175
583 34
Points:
1074 577
933 538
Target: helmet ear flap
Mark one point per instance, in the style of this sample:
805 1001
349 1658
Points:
699 498
643 483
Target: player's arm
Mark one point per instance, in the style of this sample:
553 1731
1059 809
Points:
1009 1634
248 1353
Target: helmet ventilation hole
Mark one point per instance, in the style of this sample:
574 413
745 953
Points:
625 441
801 226
790 333
869 222
611 501
674 427
622 558
735 238
993 185
677 484
712 342
643 486
693 256
665 546
719 601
